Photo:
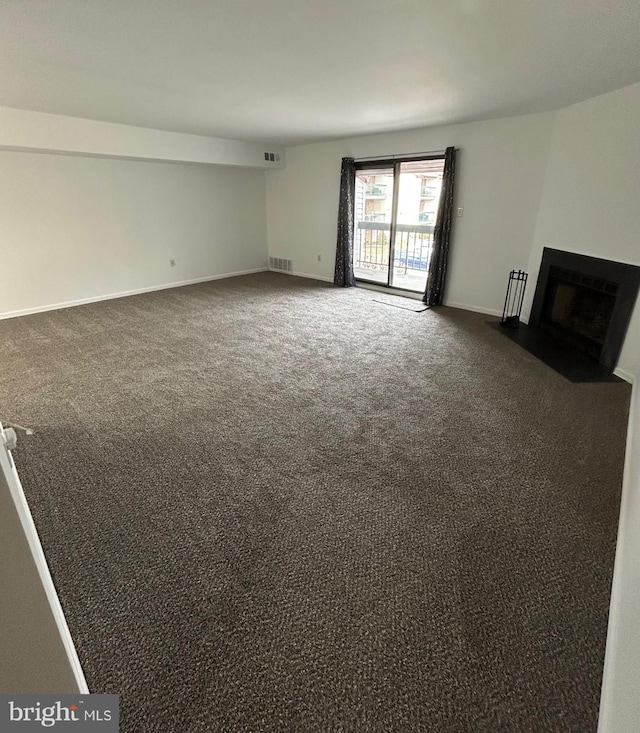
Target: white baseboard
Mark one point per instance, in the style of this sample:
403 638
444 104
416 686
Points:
124 294
310 277
303 274
624 374
474 308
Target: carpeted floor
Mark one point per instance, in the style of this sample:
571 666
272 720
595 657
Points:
272 505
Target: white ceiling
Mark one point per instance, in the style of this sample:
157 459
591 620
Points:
293 71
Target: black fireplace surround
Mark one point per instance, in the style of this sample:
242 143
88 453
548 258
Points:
585 303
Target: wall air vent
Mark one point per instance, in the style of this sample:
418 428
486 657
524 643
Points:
272 157
280 264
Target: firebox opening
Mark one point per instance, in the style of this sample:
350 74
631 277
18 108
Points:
578 308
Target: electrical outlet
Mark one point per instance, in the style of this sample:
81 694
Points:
460 211
172 263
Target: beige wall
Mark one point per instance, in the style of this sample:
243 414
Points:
77 228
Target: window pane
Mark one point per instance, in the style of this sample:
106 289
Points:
373 202
419 184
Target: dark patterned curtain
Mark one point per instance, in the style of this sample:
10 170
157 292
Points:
441 234
343 275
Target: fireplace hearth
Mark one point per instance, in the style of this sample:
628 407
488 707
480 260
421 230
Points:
580 313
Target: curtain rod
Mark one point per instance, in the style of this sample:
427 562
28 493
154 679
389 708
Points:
401 155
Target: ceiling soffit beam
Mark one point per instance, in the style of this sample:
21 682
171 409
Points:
40 132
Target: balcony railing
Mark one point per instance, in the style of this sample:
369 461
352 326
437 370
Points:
376 189
412 251
428 192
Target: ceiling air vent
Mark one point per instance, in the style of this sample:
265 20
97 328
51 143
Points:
280 264
272 157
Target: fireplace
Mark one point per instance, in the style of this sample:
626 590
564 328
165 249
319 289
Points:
578 309
585 304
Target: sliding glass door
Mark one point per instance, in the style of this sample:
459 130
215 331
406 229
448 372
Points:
395 210
373 213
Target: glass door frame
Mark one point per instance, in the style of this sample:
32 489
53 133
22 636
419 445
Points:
391 163
393 226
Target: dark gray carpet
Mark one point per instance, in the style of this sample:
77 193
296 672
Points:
409 304
272 505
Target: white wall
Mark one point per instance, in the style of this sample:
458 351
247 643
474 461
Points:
590 200
79 228
501 166
591 205
620 702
